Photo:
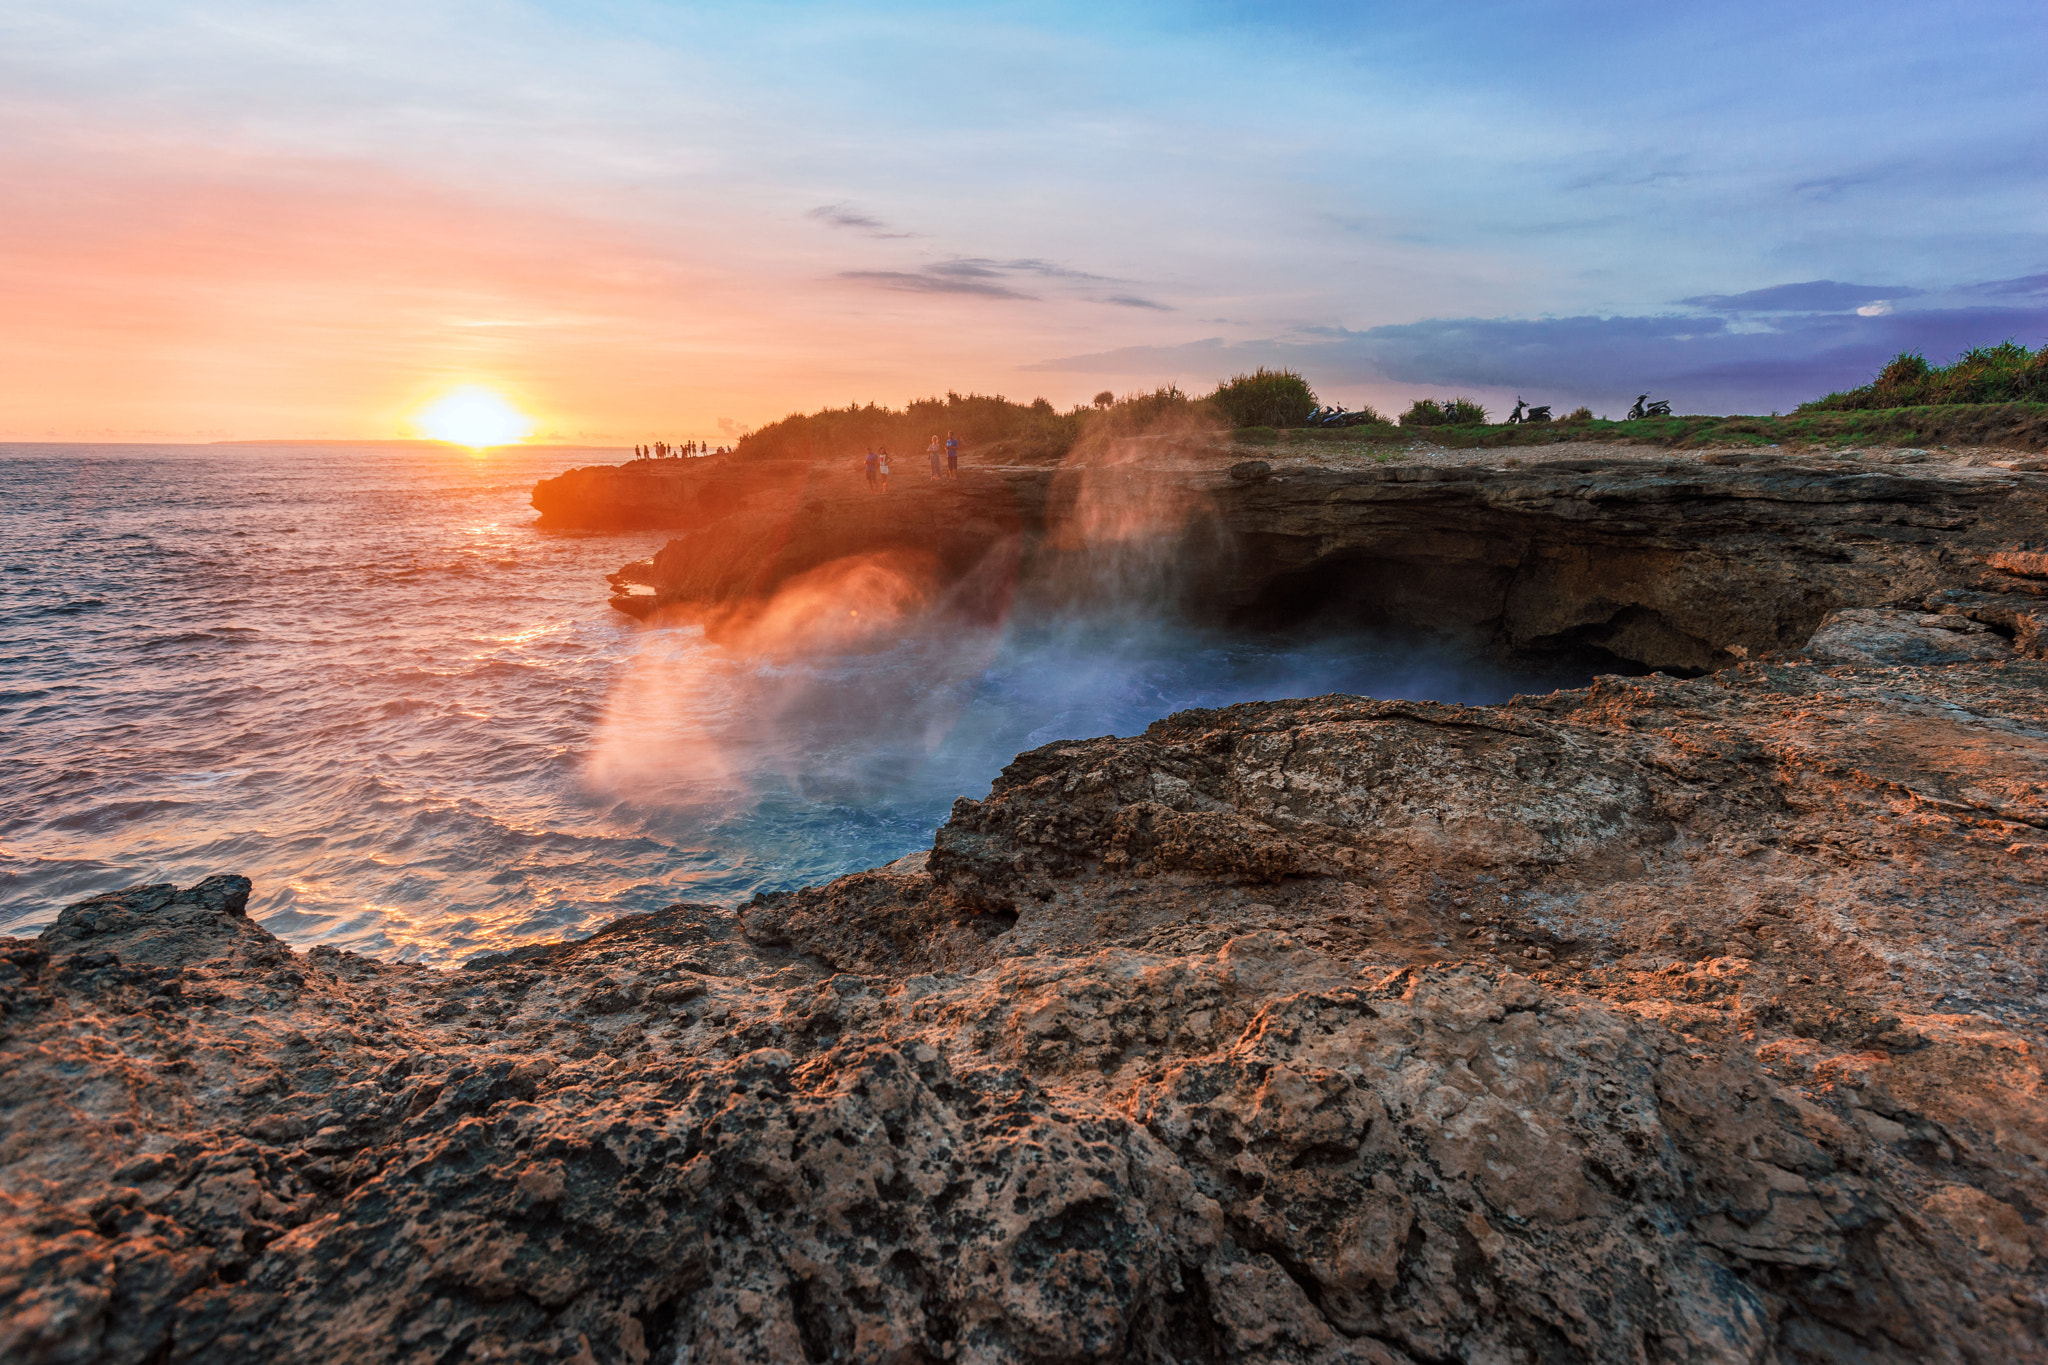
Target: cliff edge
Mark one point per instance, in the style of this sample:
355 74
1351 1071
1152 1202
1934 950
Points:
1637 558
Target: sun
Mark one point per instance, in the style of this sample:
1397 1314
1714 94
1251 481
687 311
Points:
474 417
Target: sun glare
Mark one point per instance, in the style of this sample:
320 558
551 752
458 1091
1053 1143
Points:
474 417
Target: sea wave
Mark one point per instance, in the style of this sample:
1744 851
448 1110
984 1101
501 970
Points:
362 677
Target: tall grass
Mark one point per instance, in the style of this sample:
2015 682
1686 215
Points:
2005 373
1264 398
1451 412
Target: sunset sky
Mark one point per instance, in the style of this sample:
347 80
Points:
237 219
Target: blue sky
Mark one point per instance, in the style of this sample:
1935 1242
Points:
763 207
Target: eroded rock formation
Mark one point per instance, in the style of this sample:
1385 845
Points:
643 494
1658 1021
1660 561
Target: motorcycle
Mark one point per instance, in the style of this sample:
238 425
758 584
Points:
1660 408
1337 417
1536 414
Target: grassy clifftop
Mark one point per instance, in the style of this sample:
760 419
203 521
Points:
2022 426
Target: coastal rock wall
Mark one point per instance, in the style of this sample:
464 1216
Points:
1686 1021
957 542
656 494
1661 563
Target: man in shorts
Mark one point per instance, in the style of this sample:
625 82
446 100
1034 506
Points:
952 456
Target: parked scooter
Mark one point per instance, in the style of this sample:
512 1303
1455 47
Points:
1337 417
1660 408
1536 414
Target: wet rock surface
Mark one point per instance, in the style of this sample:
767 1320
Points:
1674 1021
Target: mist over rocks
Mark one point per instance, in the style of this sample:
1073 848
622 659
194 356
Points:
1679 1020
1637 558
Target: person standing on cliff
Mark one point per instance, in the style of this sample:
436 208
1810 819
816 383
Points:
870 466
931 452
952 456
885 469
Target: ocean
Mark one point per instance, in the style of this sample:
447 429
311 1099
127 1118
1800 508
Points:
359 675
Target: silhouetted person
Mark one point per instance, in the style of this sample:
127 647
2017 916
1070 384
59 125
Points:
884 469
871 466
931 453
952 456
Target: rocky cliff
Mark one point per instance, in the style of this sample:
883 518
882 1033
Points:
646 493
1658 1021
1647 558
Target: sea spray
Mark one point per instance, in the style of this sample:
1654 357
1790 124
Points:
363 677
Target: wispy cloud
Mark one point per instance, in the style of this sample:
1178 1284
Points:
1829 188
2025 284
992 278
1625 176
929 282
978 268
852 219
1812 296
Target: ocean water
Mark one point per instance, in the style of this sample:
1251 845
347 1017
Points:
362 677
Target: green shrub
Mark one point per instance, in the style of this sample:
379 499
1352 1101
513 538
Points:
1035 429
1165 411
1135 413
1578 415
1264 398
2005 373
1908 367
1452 412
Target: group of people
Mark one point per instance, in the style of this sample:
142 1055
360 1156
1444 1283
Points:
662 450
944 457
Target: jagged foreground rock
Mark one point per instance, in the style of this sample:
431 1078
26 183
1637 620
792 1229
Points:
1660 1021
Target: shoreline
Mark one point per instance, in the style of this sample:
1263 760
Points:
1324 1030
1697 1015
